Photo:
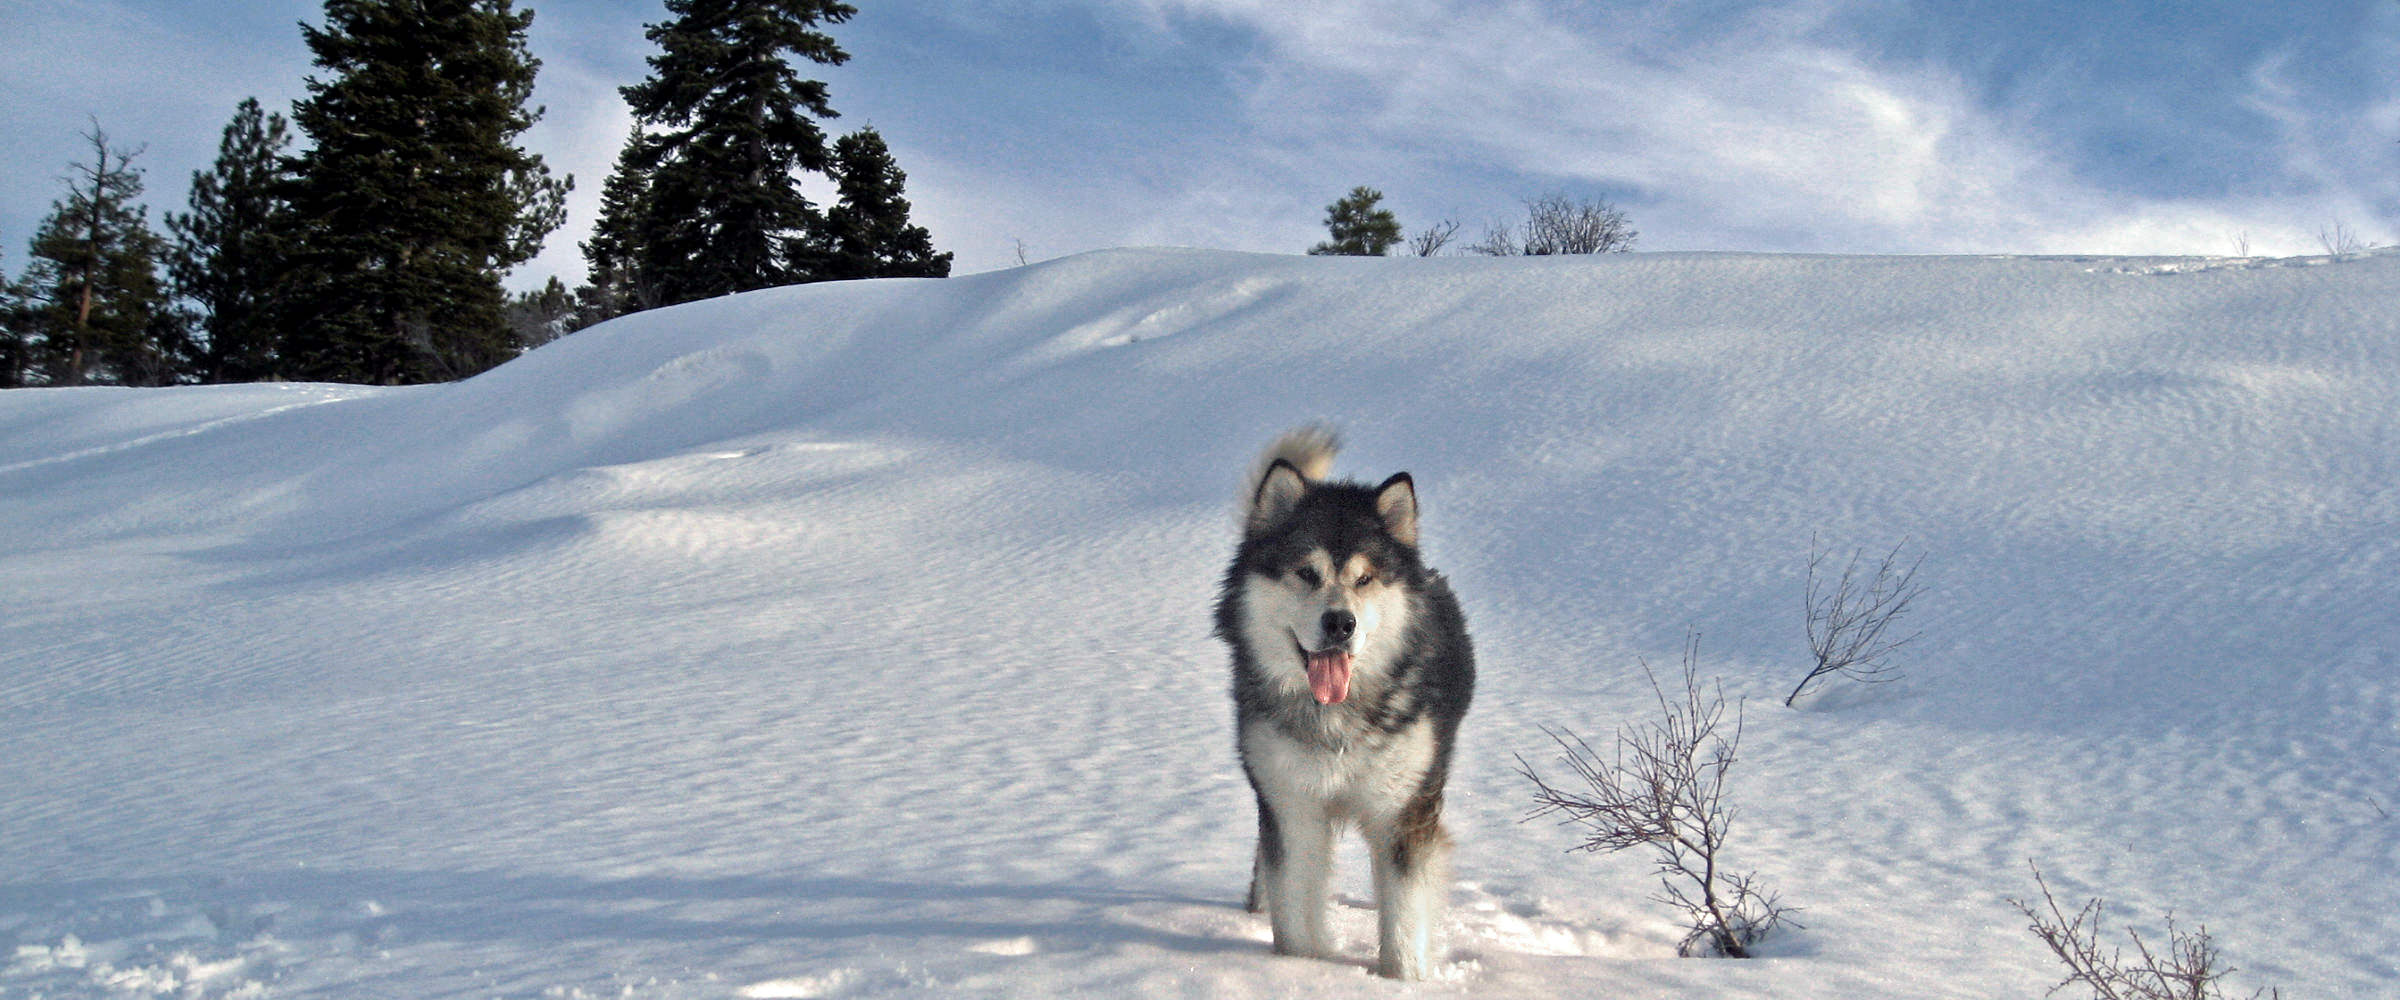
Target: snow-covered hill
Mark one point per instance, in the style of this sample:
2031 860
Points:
852 640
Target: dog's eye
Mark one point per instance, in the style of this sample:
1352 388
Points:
1308 576
1365 579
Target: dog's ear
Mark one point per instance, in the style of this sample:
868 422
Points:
1278 492
1396 503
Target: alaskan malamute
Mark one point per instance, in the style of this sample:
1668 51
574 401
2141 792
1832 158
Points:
1351 670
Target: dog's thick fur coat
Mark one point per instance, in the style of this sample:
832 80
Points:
1351 671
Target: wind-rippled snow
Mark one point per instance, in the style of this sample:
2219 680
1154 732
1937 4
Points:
852 640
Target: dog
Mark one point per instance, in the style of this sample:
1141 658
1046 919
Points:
1351 671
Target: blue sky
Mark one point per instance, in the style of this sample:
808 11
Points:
1048 128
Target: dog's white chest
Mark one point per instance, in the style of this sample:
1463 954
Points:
1363 779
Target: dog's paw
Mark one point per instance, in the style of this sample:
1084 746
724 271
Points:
1404 967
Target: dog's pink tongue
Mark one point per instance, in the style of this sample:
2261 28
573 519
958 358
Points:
1329 676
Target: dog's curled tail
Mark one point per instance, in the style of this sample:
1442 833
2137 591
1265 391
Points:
1309 449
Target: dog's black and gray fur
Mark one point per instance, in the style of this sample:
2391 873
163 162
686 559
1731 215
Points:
1351 671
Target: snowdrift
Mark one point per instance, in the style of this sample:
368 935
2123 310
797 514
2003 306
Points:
851 640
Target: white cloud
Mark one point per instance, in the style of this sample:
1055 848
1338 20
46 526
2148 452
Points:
1232 123
1751 131
583 128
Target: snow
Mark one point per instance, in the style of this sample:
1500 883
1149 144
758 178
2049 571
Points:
852 640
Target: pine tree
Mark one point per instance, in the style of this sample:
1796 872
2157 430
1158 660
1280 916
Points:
867 234
612 252
537 318
1358 227
15 326
96 309
229 257
727 126
414 197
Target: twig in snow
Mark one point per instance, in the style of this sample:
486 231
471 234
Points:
1849 626
1664 788
2189 970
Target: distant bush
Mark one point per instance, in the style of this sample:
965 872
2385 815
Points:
1664 788
1430 240
2339 240
1557 224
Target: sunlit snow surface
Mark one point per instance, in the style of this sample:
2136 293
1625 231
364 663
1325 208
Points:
852 640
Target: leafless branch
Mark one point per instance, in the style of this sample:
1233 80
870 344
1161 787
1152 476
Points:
1499 240
2339 239
1557 224
1849 627
1430 240
1663 787
2189 970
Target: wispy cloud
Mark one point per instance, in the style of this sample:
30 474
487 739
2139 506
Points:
1758 129
1725 124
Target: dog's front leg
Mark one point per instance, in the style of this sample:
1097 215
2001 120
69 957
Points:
1412 874
1257 900
1262 861
1299 878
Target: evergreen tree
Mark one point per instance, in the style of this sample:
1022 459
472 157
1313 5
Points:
537 318
414 197
229 255
612 252
14 328
727 125
96 309
1358 227
867 234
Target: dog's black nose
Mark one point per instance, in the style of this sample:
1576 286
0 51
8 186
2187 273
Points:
1338 626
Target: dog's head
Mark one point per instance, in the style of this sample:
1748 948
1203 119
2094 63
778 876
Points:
1328 572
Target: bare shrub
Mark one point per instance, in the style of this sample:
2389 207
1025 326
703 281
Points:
1499 240
2190 969
1557 224
1664 788
1430 240
2340 240
1850 625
